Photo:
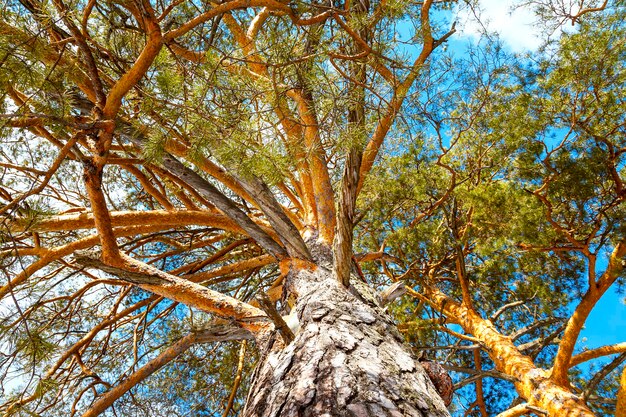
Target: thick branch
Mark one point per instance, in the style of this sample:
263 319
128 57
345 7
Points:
532 383
578 318
342 244
163 218
287 232
178 149
92 176
596 353
392 292
178 289
211 193
141 65
400 93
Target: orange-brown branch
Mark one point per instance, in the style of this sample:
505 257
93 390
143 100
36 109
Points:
596 353
178 289
400 93
92 176
148 187
140 66
532 383
322 188
578 318
162 218
224 8
620 408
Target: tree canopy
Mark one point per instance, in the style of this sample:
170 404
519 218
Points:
167 167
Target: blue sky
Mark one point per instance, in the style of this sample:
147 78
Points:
607 322
516 26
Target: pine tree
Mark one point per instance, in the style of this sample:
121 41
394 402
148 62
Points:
281 209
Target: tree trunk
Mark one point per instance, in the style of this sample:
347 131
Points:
347 359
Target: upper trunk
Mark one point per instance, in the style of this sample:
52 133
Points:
347 359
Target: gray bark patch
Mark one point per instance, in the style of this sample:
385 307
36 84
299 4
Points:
347 360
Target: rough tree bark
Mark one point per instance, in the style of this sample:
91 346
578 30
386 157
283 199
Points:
347 359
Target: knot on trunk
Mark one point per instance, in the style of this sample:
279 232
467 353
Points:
440 379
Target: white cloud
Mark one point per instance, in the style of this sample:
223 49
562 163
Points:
518 28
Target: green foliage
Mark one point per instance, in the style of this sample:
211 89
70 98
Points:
45 386
504 162
154 147
532 146
169 81
35 347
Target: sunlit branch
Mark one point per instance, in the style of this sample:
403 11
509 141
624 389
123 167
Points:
140 66
578 318
178 289
505 307
212 334
597 353
237 381
532 383
400 93
161 218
